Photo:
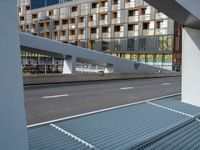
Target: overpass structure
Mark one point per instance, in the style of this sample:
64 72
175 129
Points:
186 12
71 54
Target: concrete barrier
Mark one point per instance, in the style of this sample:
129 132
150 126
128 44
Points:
60 78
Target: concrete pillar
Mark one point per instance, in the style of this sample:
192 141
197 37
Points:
109 69
12 113
191 66
69 65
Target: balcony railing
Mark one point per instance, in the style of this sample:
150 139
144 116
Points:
103 9
160 16
94 10
72 26
106 35
103 22
74 14
33 30
63 15
132 33
130 5
94 35
22 22
145 17
65 26
133 19
116 20
63 38
71 37
92 23
161 31
81 36
148 32
119 34
81 24
55 17
116 7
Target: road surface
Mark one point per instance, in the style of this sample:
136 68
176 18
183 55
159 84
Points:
49 102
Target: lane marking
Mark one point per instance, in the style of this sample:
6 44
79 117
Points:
55 96
126 88
102 110
76 138
165 84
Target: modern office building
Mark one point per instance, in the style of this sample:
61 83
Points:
130 29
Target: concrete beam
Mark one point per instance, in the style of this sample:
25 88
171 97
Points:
12 112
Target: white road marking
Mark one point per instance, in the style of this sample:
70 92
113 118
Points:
102 110
72 136
126 88
55 96
165 84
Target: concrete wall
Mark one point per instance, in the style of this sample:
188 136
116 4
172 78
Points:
48 79
191 66
13 134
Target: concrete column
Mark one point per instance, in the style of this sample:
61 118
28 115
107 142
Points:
109 69
12 112
191 66
69 65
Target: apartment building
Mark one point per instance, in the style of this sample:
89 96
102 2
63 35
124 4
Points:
130 29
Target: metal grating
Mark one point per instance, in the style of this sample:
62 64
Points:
122 128
184 138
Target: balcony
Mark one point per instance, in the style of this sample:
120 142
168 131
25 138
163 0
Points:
94 10
57 27
116 21
71 37
160 16
148 32
116 7
35 20
22 22
65 26
94 36
72 26
81 36
92 23
63 16
133 19
33 30
81 24
161 31
74 14
130 5
103 9
145 17
132 33
119 34
103 22
55 17
106 35
63 38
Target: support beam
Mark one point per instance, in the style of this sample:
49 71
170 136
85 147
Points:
12 113
69 65
191 66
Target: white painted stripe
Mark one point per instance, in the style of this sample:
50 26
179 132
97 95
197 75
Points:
170 109
76 138
126 88
102 110
165 84
55 96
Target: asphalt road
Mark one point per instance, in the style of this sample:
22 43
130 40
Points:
49 102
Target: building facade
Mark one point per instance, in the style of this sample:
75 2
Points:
130 29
